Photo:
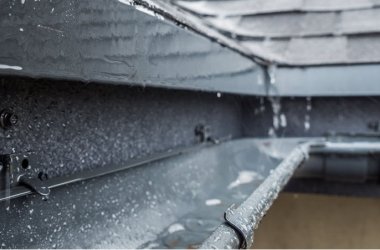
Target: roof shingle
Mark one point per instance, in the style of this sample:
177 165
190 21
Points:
297 32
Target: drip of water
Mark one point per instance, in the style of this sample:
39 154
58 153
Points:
307 122
307 116
279 119
272 69
262 106
308 104
7 186
271 133
283 121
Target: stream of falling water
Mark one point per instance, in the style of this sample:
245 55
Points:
279 118
307 116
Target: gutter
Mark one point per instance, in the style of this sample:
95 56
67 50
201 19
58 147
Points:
237 231
240 222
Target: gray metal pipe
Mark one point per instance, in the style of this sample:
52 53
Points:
237 231
348 147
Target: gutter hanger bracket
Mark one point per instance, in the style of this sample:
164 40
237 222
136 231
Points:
18 169
203 134
238 223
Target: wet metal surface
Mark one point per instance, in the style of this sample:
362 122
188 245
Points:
170 203
333 40
112 42
153 44
176 202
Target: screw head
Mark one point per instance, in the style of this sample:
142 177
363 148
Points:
43 176
13 119
8 119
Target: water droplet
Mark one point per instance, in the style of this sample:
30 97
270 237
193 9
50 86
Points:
307 123
272 73
283 121
308 104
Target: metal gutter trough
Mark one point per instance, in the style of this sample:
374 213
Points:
210 196
171 200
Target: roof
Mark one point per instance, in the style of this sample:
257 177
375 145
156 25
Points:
173 46
294 32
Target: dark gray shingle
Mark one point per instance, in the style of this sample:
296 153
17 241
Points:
297 32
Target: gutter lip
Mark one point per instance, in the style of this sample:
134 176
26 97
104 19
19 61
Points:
244 219
240 222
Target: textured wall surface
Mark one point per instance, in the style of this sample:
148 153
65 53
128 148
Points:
75 126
